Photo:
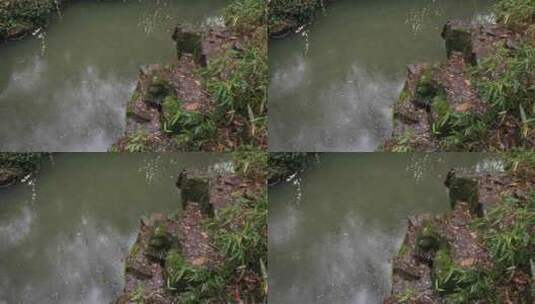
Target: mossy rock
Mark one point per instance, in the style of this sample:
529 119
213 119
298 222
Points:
195 187
157 91
464 188
427 89
188 41
458 37
428 242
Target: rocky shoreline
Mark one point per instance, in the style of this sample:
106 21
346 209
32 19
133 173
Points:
176 258
458 105
213 98
449 259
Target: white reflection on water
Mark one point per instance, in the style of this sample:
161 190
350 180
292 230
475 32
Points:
285 80
87 113
349 267
27 78
83 264
283 230
349 115
16 229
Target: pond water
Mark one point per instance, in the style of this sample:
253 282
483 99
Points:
332 90
64 233
67 90
333 231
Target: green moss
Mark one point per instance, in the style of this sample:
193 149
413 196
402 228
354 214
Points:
403 250
404 96
158 90
188 42
428 239
465 189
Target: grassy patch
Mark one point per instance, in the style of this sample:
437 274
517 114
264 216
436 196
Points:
508 233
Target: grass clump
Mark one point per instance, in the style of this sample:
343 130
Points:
245 15
509 233
461 285
237 79
191 129
240 233
192 283
252 163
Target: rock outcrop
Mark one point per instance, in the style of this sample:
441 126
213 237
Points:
434 245
169 247
434 94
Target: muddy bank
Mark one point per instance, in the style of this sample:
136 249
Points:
480 251
213 97
15 166
480 98
193 257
